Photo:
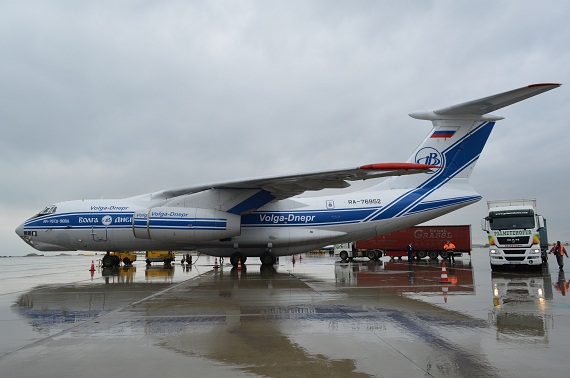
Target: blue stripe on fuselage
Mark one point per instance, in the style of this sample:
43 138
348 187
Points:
256 201
120 220
80 220
187 223
439 204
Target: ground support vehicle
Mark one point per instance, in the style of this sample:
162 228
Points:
427 241
114 259
517 234
166 257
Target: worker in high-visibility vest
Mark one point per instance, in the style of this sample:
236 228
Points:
559 251
449 247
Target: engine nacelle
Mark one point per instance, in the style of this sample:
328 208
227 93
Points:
182 224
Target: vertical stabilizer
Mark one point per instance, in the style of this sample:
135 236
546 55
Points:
458 136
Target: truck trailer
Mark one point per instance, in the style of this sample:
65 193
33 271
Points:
427 241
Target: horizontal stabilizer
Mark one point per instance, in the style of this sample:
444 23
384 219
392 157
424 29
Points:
486 105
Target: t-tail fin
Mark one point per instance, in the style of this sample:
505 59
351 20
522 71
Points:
458 136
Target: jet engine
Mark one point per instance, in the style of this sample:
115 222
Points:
182 224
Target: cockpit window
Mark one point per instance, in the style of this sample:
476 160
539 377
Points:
48 210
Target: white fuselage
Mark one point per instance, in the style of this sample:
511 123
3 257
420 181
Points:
284 227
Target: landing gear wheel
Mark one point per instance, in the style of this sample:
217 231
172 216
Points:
343 255
267 259
237 258
433 255
127 261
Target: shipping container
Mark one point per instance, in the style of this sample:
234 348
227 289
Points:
427 241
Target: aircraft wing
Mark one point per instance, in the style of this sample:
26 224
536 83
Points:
281 187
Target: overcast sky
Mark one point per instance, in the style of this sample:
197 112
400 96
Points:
117 98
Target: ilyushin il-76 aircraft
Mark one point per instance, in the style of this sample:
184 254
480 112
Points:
269 217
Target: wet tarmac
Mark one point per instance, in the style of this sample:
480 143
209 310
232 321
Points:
315 317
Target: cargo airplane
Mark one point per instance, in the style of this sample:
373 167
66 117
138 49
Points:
268 217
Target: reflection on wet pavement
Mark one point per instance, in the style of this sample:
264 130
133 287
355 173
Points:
315 318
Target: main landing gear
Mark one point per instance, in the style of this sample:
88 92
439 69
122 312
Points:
267 259
237 258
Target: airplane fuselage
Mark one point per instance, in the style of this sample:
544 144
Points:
284 227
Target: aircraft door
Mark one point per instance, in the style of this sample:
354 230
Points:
140 224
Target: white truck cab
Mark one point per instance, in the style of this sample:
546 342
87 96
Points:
516 232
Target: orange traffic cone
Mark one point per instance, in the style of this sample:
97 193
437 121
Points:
92 269
444 278
239 264
216 263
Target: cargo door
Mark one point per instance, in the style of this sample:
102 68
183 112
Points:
140 224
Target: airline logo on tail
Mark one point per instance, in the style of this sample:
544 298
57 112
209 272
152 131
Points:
430 156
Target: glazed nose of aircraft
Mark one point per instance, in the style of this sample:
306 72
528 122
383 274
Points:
26 236
20 230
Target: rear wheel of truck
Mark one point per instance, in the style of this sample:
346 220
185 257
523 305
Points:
444 254
343 255
433 255
421 254
371 254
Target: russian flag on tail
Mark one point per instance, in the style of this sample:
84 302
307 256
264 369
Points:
443 134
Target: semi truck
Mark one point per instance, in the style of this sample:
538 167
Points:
427 241
517 234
